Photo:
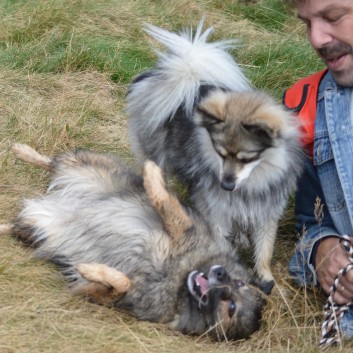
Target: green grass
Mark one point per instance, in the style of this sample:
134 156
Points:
50 39
70 36
269 15
277 65
65 66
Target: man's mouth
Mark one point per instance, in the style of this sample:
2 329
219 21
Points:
335 56
336 63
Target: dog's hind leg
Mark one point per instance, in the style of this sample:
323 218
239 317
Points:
29 155
6 228
174 217
105 284
21 232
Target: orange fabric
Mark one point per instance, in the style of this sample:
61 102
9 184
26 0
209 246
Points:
302 98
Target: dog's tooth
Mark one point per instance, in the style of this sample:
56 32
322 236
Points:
200 275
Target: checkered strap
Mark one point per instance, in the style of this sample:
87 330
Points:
333 313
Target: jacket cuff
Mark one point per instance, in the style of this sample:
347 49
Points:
312 253
301 265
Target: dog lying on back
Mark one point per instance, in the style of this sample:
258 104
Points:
237 150
125 240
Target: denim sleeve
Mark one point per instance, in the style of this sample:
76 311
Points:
313 222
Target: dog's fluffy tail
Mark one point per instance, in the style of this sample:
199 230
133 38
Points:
29 155
189 62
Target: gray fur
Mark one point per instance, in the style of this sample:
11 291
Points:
96 211
189 143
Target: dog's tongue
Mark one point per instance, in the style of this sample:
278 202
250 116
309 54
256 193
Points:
202 282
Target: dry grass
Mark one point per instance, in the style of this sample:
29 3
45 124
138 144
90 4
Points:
61 98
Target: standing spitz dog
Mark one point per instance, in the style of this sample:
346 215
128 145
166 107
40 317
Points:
123 239
197 117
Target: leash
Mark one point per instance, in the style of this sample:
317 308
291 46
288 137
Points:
333 313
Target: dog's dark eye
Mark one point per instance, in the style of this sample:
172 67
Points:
246 160
231 308
247 157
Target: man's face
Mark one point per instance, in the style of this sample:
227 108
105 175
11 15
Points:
330 31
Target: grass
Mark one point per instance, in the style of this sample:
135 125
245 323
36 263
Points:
65 66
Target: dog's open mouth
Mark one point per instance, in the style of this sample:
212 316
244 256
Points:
198 286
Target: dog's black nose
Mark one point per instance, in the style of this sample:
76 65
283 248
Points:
228 185
219 273
228 181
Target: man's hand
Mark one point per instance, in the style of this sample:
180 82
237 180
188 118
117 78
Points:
329 259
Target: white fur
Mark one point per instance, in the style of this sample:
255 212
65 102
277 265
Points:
184 148
59 214
193 60
245 173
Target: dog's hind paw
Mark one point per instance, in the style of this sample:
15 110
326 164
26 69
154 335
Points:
105 275
6 228
29 155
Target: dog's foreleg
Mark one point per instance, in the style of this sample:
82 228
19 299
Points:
264 241
104 283
174 217
29 155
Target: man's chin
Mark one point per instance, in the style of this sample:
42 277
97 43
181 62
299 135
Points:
343 78
342 70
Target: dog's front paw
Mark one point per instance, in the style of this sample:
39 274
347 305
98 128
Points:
105 275
154 183
267 286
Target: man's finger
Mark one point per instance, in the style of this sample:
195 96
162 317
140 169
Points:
340 298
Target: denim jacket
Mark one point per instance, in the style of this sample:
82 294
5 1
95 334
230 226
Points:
324 199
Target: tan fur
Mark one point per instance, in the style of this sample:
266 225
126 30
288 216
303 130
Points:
29 155
262 109
216 106
97 292
173 216
105 283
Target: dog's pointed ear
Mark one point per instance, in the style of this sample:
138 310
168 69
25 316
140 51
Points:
205 118
211 110
262 132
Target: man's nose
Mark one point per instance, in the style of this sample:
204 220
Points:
319 33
